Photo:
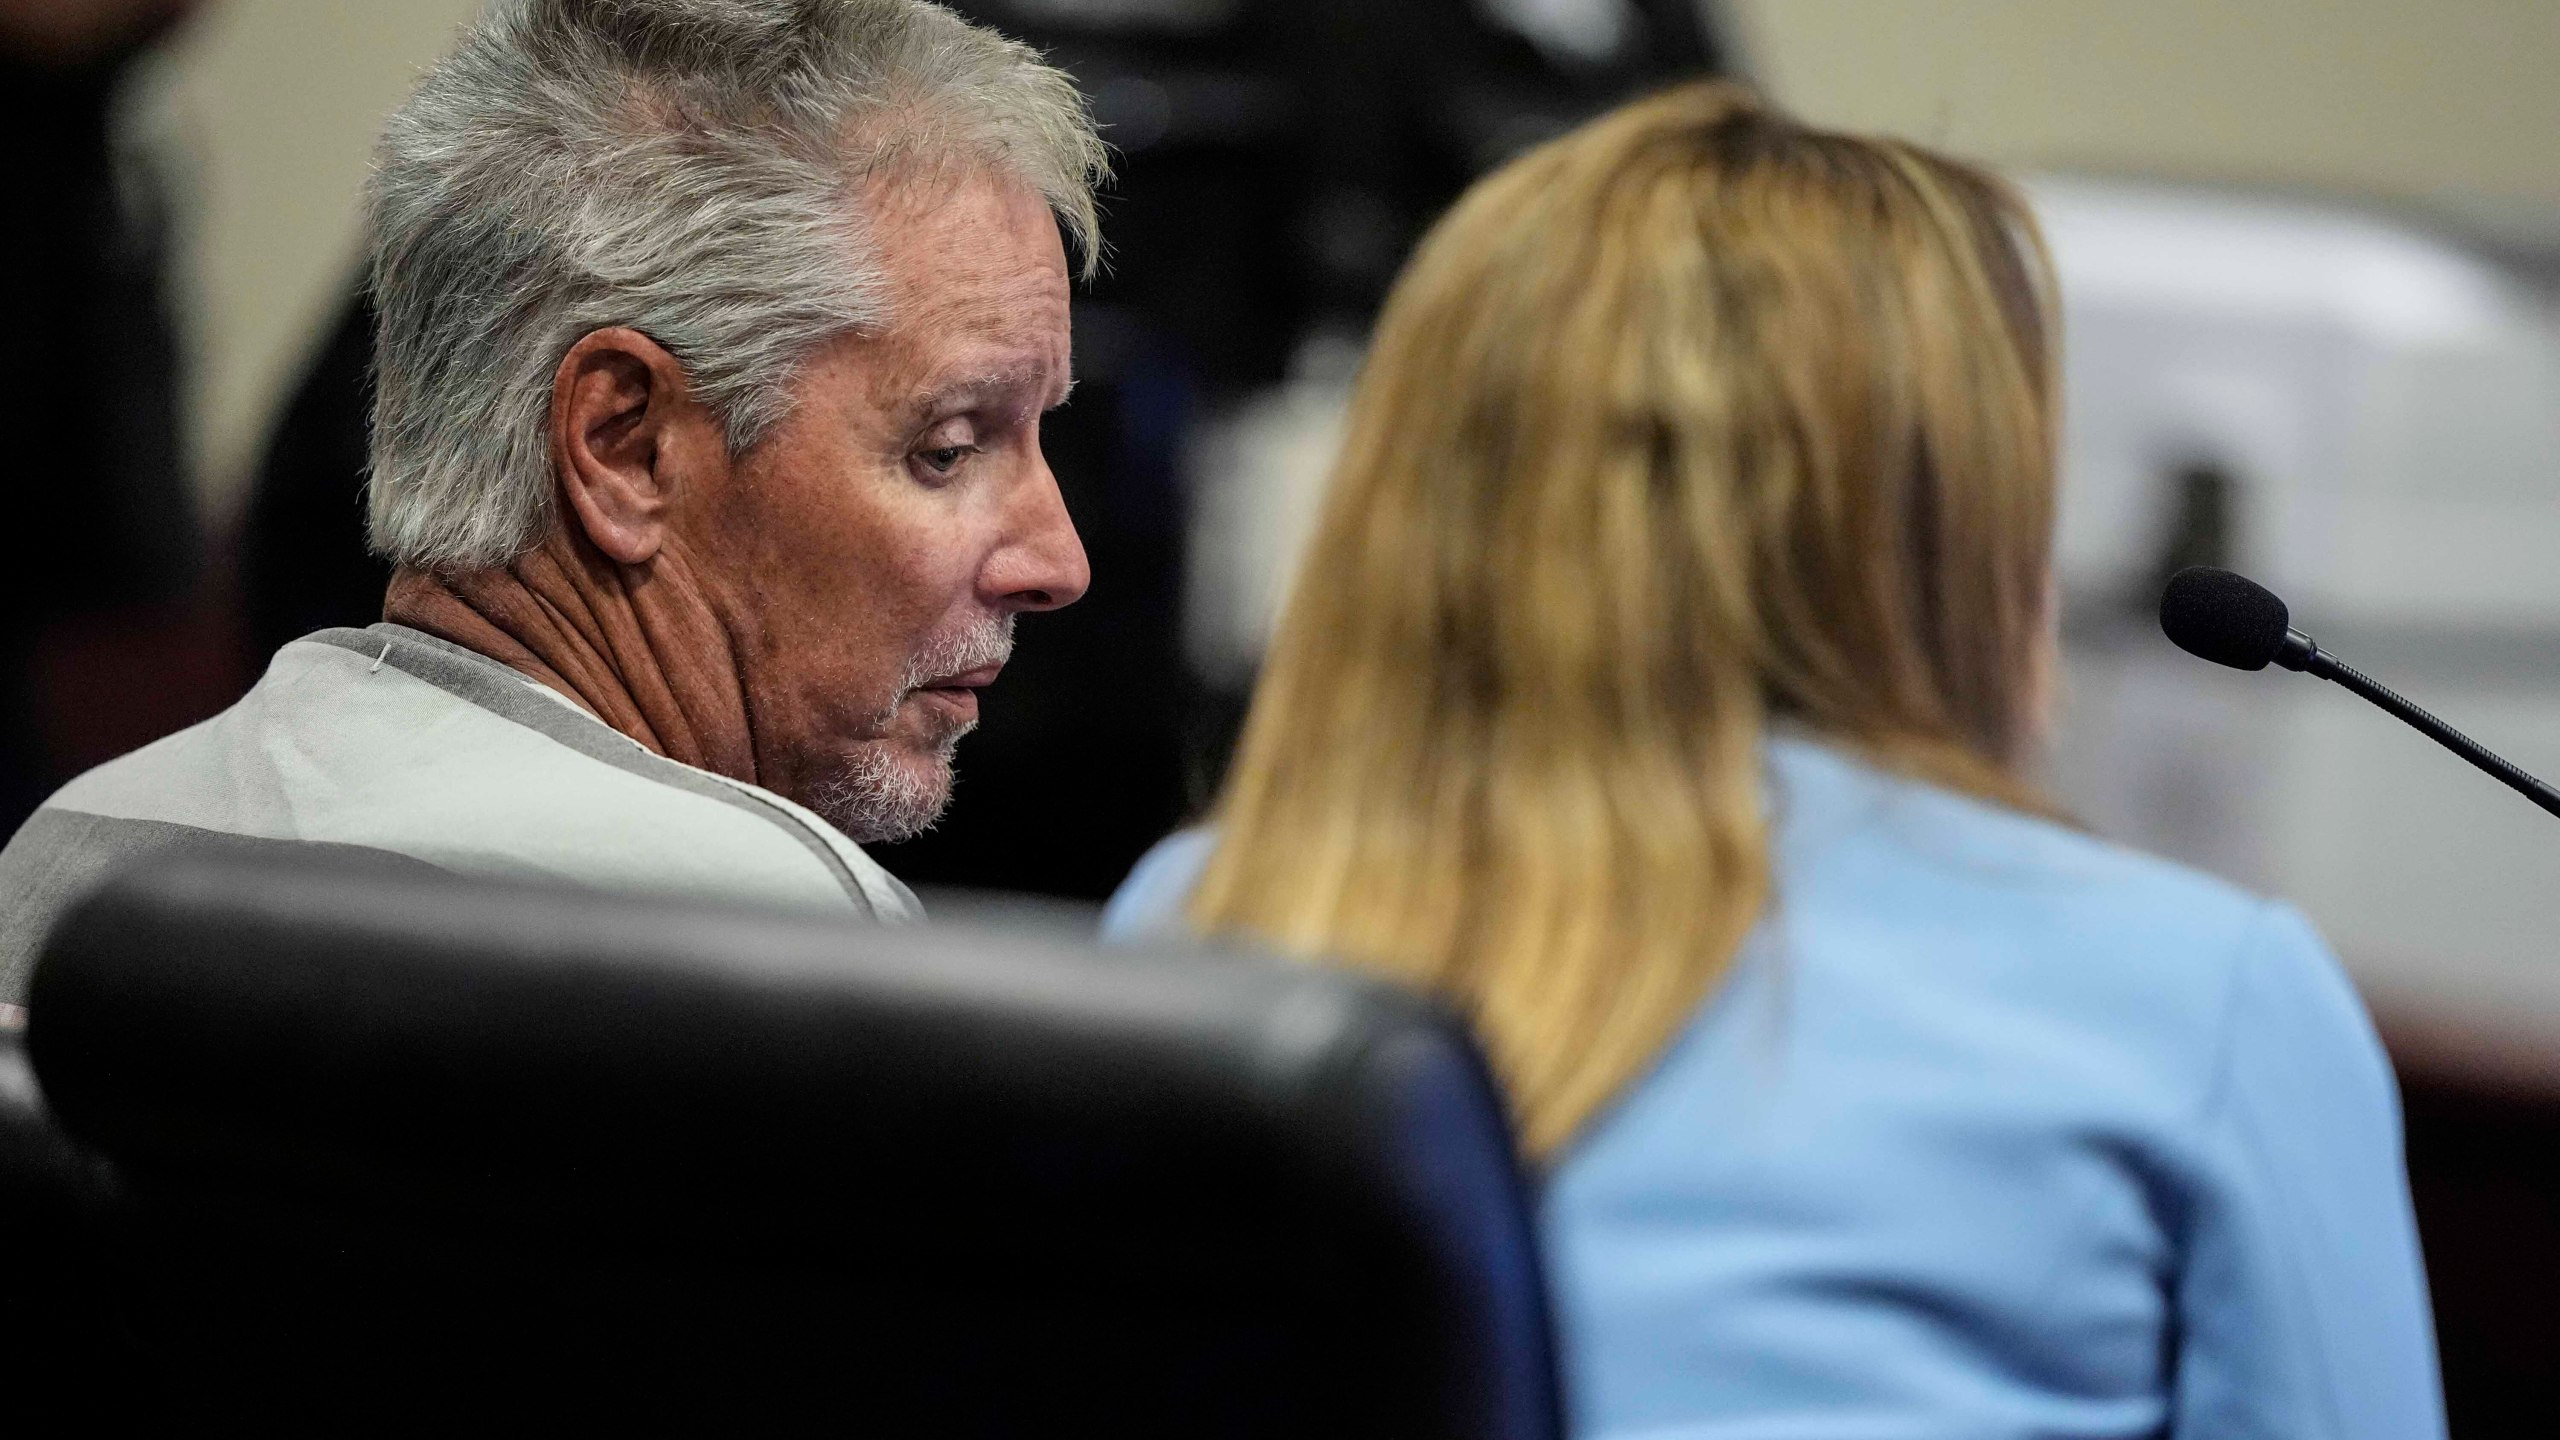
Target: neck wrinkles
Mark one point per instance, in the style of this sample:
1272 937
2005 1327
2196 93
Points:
635 645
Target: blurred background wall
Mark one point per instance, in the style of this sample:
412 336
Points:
271 107
2448 106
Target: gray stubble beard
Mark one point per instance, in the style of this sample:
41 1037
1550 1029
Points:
878 796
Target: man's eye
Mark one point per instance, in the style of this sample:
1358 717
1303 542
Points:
946 459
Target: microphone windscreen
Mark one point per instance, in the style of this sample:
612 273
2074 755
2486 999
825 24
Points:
2222 617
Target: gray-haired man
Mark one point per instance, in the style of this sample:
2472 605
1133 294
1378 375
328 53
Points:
715 339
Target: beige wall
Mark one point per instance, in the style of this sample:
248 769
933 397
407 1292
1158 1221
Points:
271 108
2452 105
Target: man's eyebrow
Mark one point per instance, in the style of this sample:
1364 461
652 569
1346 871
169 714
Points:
988 383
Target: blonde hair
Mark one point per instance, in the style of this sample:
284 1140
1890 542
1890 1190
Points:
1689 420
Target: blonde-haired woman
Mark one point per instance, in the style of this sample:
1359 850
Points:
1660 688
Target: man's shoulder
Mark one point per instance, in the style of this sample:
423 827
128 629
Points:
386 741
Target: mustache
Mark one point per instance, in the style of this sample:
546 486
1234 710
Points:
989 642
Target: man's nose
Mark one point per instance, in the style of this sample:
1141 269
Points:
1043 566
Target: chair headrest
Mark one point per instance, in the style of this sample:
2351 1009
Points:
1033 1121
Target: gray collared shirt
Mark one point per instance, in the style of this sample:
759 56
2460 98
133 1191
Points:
393 743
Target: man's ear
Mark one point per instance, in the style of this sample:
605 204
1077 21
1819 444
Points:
627 437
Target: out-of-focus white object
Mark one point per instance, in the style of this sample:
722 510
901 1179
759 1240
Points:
1587 31
2390 401
2386 406
1258 475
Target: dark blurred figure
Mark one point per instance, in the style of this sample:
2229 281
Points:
1278 158
303 562
2202 527
110 548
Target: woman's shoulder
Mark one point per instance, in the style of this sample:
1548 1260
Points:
1957 998
2131 968
1902 864
1850 833
1970 1052
1149 904
1900 898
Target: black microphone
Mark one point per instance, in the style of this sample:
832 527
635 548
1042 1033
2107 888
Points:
2233 620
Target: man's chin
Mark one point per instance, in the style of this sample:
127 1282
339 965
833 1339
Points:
884 792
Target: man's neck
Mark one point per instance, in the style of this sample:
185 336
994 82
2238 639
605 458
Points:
637 648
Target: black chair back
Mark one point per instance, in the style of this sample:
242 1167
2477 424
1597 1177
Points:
399 1149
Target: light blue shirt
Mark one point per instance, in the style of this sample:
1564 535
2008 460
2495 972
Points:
1995 1130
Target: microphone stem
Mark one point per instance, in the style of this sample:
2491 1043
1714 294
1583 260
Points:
2330 667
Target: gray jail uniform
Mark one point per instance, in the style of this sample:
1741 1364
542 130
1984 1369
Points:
392 743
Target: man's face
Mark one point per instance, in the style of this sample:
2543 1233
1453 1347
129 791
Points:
868 556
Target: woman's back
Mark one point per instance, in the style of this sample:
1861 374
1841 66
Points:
1997 1130
1994 1130
1873 1105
